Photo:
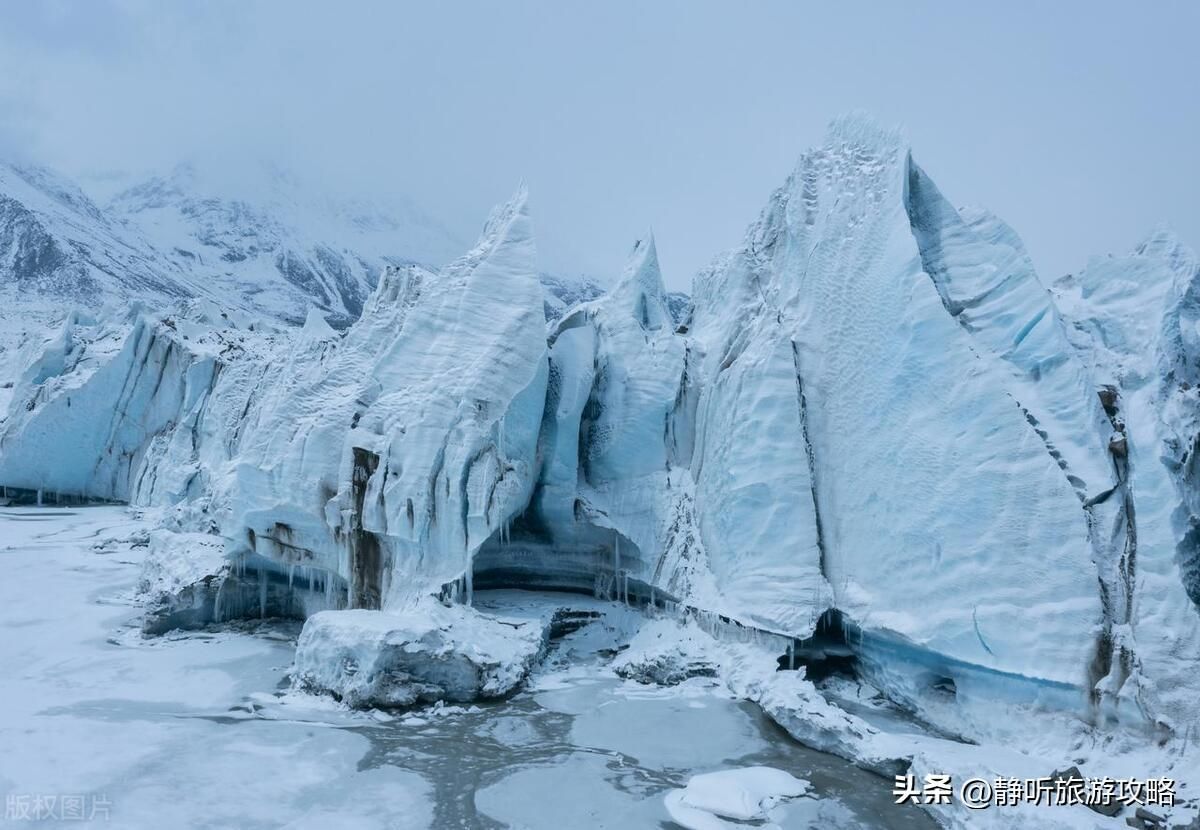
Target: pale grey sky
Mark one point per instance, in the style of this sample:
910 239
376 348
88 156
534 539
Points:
1075 121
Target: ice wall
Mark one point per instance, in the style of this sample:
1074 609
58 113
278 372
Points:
386 457
413 441
87 412
1134 321
910 474
873 405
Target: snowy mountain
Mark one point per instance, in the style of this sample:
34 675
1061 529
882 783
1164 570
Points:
263 243
269 240
57 245
562 293
872 423
59 251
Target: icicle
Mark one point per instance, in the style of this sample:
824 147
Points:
470 584
291 574
792 655
39 497
262 593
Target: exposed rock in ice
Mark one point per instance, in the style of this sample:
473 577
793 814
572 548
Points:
395 457
666 653
429 653
181 577
793 702
1134 321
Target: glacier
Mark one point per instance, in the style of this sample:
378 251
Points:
871 432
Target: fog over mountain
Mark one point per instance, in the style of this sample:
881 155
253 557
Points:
1074 121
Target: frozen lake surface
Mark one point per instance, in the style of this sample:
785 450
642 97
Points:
200 729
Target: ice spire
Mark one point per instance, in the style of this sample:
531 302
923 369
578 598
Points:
316 328
640 289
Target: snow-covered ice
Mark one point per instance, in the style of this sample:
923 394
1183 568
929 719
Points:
745 794
201 729
429 653
871 443
149 731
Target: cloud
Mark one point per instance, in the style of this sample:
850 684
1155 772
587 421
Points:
1075 124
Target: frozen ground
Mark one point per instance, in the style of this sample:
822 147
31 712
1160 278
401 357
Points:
157 728
201 730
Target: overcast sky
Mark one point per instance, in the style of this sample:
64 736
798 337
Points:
1076 122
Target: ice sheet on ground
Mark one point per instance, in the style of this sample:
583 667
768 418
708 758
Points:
744 794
